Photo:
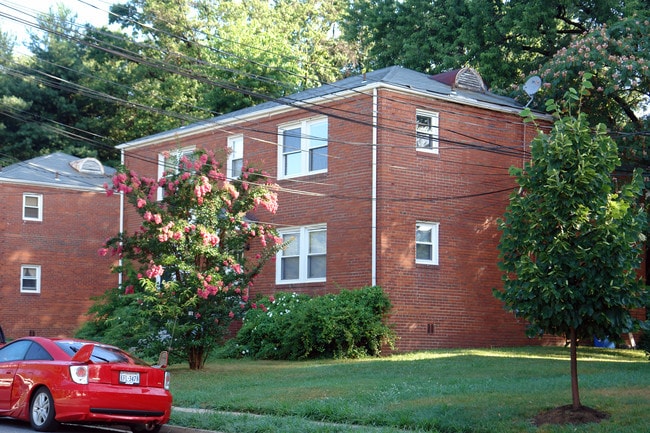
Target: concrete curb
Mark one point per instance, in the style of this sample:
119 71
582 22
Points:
175 429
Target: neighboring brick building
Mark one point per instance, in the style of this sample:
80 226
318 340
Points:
54 217
394 178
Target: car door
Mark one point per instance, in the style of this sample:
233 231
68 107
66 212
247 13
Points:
10 357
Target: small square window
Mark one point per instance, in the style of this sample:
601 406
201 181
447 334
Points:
427 131
30 279
426 243
169 162
32 207
235 156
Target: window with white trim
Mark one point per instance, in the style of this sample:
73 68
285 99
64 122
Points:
304 258
302 148
32 207
235 161
168 163
30 279
427 131
426 243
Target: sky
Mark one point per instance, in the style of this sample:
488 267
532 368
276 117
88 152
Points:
15 15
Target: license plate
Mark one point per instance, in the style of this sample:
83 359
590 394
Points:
129 378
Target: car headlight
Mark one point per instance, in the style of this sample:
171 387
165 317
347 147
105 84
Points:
79 374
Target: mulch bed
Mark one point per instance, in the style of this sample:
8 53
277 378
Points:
567 415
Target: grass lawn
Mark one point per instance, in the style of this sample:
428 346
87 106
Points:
469 391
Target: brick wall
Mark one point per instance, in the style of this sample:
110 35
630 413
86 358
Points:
464 188
64 244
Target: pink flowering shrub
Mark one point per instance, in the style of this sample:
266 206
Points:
185 268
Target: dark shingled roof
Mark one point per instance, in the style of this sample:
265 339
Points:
395 76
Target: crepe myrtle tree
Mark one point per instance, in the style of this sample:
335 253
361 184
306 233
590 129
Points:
571 239
186 265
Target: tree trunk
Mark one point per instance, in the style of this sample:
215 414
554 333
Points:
195 358
575 393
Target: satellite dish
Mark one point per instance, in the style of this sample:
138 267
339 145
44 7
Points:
531 87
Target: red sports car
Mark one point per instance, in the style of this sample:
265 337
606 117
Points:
47 381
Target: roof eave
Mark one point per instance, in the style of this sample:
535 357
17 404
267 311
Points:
215 123
51 185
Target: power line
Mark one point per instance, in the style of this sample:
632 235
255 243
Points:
460 144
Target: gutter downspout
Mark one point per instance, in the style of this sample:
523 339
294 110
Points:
374 187
119 275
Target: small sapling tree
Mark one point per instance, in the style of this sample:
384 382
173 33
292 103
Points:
571 239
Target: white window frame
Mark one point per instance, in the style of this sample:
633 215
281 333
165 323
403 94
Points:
235 156
39 206
36 278
163 166
309 143
304 253
432 243
429 134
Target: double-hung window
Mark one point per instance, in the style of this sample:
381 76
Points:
235 156
168 163
30 279
304 258
32 207
426 243
303 148
427 131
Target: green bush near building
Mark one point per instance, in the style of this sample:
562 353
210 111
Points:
291 326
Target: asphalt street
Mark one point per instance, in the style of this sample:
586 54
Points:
12 426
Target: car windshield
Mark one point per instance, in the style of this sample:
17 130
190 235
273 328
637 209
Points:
101 354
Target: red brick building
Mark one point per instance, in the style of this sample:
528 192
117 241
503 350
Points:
54 216
394 178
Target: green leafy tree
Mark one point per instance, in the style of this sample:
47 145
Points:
618 57
571 241
501 39
48 101
186 271
237 54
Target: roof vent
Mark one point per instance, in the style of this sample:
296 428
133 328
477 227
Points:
465 78
469 79
88 166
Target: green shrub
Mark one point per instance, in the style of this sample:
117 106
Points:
350 324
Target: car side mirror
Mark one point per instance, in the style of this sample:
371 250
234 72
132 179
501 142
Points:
162 359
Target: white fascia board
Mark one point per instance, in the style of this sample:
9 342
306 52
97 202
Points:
52 185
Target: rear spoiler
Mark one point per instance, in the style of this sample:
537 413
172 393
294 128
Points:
162 360
83 354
